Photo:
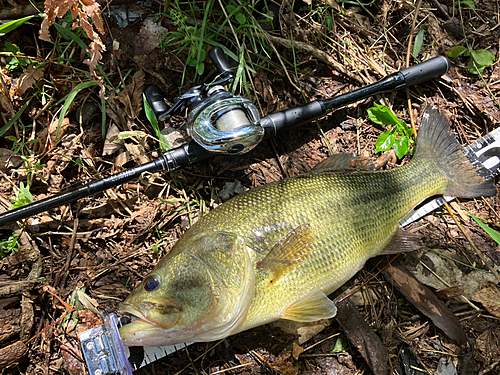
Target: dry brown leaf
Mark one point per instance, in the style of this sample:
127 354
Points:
137 153
9 159
6 103
12 355
363 337
131 97
53 130
297 351
424 300
28 79
489 296
122 159
88 301
459 210
70 352
53 9
95 55
90 9
112 143
284 364
304 330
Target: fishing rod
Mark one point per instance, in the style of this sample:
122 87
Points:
222 123
103 348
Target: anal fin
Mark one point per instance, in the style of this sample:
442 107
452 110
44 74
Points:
314 307
402 242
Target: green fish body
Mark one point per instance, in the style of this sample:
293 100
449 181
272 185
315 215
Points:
277 251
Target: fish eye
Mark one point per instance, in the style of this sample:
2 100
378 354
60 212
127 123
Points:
151 283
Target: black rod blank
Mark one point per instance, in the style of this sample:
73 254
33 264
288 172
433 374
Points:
177 158
296 116
191 153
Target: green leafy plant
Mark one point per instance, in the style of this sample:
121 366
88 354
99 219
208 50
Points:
22 198
14 62
21 146
340 346
237 14
16 117
400 136
321 13
419 41
199 28
479 59
9 245
67 103
189 36
469 3
34 168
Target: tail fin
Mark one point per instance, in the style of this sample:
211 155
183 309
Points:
435 140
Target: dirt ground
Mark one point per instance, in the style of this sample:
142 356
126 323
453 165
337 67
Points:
104 245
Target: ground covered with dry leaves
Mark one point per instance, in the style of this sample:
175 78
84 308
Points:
69 116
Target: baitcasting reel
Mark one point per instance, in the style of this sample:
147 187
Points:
220 122
217 120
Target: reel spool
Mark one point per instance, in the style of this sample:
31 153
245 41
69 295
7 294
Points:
225 123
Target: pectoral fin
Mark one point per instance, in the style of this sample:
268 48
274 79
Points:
291 250
314 307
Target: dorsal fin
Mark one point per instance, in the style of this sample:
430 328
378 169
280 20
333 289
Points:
291 250
344 163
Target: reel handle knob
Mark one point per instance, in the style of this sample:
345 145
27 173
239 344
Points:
219 59
154 96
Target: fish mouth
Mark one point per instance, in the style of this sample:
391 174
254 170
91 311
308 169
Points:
133 333
131 312
139 321
142 331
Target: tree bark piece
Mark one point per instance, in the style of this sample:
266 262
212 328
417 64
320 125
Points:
362 336
12 355
424 300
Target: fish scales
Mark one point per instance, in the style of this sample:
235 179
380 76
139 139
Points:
347 214
277 251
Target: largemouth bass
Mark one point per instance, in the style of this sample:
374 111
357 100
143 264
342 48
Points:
277 251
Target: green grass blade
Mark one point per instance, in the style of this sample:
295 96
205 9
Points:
419 41
8 125
103 106
493 233
154 123
67 103
457 261
202 35
71 35
12 25
226 50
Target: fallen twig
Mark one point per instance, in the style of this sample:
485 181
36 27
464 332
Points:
323 56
